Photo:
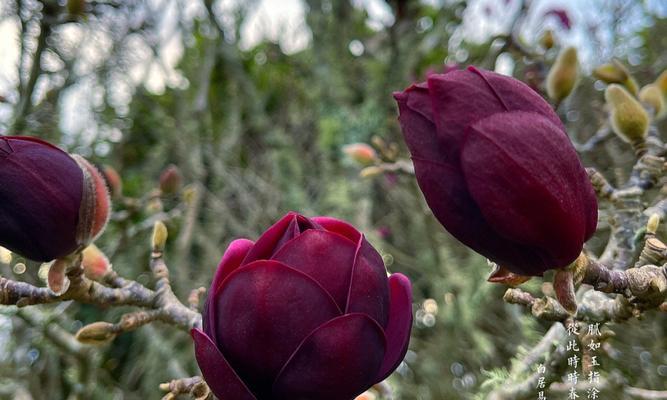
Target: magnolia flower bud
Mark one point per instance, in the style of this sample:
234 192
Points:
95 264
651 95
315 315
170 180
628 118
611 73
563 75
484 147
547 40
652 224
53 204
361 153
97 333
160 235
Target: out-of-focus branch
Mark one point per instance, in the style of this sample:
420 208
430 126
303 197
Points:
25 101
160 304
645 394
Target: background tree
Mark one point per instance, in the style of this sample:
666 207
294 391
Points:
259 130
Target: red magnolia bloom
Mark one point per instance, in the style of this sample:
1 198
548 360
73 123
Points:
306 312
51 203
497 169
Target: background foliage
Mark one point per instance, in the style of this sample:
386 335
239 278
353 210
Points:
257 131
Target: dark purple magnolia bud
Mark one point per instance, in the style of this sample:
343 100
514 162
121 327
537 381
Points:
498 170
51 203
170 180
306 312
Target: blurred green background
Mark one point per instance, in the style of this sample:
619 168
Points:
254 101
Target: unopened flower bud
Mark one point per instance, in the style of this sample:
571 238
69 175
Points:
651 95
547 40
53 204
95 263
628 118
563 75
616 72
360 153
160 235
97 333
653 223
170 180
476 169
613 72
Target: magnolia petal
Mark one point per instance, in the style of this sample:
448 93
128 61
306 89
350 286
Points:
324 256
337 226
338 360
447 195
493 93
398 328
263 311
217 372
286 229
369 290
526 178
231 260
416 119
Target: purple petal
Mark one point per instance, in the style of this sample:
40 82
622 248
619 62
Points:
217 372
286 229
525 176
337 226
324 256
447 195
416 118
231 260
263 311
40 196
454 110
399 326
339 360
369 290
